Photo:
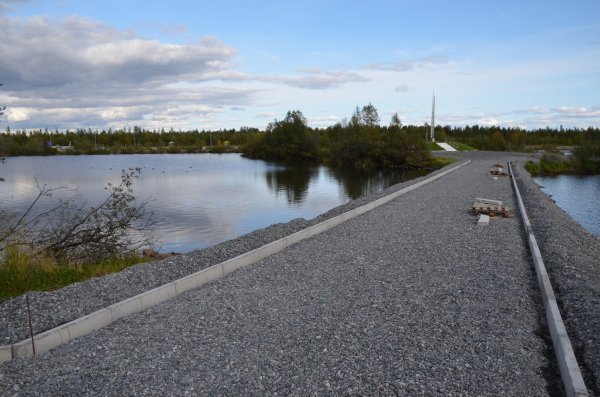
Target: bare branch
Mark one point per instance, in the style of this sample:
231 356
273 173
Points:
70 232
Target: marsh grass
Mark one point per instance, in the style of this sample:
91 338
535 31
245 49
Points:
554 164
22 271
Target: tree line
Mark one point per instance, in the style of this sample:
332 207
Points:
126 140
361 139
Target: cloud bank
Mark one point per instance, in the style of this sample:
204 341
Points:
79 72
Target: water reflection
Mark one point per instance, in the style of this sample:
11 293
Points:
291 179
362 182
202 199
577 195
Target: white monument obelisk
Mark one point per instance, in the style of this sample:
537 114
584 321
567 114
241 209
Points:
433 118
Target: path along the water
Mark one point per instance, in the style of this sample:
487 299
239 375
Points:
412 298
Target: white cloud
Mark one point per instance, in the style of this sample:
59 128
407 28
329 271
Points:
7 4
401 88
488 122
80 51
409 65
18 114
115 113
263 115
318 79
578 112
78 72
323 121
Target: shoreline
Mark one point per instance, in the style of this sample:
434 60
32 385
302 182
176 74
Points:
570 253
53 308
375 303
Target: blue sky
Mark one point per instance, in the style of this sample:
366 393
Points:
227 64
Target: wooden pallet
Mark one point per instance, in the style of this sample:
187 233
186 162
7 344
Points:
492 210
498 173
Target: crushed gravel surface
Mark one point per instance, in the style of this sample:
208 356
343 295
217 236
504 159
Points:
572 258
412 298
54 308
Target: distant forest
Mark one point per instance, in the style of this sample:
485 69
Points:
359 140
136 139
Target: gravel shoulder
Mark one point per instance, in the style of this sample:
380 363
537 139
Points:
412 298
572 258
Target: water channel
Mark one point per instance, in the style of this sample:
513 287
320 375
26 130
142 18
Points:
197 200
577 195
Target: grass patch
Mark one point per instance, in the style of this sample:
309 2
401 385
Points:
462 147
552 168
434 146
555 164
439 162
21 272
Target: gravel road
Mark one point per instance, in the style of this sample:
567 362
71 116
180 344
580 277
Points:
412 298
572 258
53 308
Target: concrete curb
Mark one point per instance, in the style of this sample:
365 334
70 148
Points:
101 318
567 363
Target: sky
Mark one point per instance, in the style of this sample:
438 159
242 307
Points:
221 64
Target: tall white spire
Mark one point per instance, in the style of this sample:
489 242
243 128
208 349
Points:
433 118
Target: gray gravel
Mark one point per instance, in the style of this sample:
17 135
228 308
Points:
572 258
51 309
412 298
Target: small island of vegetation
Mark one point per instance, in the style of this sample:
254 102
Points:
584 159
360 142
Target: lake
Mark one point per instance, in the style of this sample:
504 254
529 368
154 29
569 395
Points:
198 200
577 195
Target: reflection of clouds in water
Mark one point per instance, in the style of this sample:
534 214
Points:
202 199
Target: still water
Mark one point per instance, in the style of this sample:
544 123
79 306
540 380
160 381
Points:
198 200
577 195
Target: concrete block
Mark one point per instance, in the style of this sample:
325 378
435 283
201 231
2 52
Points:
349 215
89 323
241 261
555 322
318 228
337 220
22 349
274 247
158 295
296 237
125 308
199 278
547 291
5 353
567 363
51 339
260 253
391 197
483 219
